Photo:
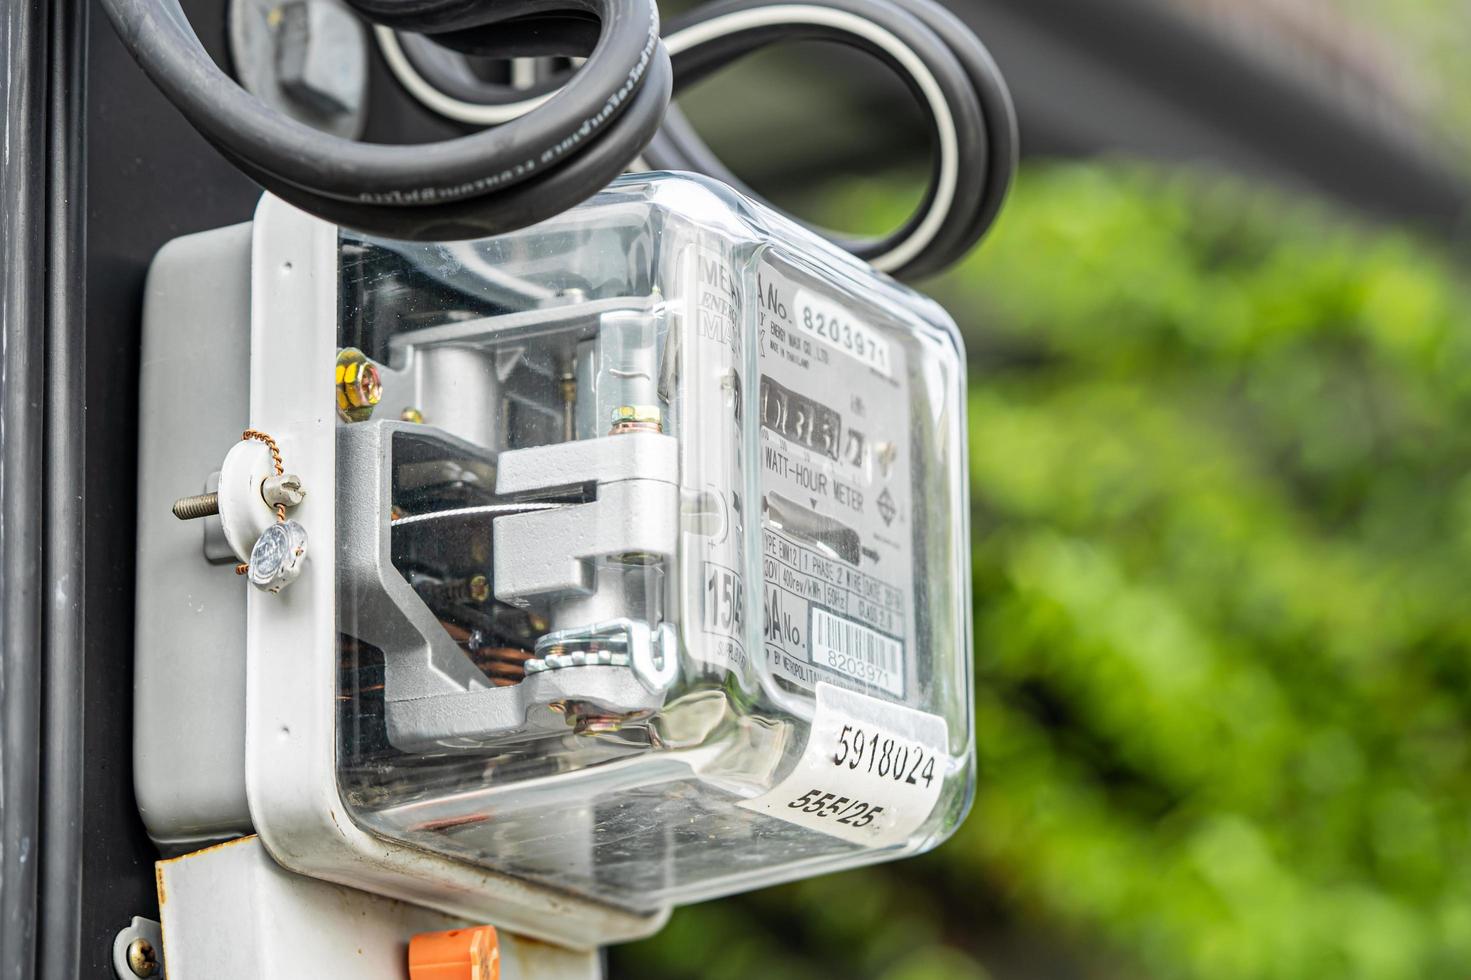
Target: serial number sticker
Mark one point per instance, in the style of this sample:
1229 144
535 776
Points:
838 328
871 773
855 650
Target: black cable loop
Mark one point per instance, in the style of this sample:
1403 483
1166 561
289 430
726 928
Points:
565 143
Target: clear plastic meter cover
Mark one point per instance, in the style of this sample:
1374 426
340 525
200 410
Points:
652 557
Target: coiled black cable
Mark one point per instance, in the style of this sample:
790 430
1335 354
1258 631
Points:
552 148
531 168
946 67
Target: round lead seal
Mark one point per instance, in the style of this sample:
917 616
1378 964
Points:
278 556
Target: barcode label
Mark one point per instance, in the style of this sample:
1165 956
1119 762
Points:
855 650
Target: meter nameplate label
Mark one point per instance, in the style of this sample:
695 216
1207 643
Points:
871 773
837 486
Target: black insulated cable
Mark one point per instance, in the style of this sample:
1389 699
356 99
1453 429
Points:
493 181
948 70
490 102
551 147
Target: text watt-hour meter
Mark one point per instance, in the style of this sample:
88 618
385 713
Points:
610 564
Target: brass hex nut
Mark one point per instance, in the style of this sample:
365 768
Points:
359 385
636 418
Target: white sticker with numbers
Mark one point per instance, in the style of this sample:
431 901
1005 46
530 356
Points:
871 773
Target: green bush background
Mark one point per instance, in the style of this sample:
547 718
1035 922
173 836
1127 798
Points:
1221 478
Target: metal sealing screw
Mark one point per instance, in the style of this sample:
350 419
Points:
142 958
636 418
628 419
359 385
475 589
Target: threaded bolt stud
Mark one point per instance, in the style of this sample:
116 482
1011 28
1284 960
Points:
200 505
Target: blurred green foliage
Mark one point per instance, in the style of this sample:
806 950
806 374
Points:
1221 472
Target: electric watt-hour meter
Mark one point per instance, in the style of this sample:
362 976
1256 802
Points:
611 564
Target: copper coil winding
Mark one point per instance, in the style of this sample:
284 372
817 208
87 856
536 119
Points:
504 666
456 632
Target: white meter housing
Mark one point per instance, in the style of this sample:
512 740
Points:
636 565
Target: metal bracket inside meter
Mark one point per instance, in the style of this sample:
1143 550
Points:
586 560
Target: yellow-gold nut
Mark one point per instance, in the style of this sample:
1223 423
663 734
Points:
636 418
359 385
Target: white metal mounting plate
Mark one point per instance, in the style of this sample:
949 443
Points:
232 913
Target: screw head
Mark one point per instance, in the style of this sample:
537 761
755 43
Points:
359 385
636 418
142 958
285 489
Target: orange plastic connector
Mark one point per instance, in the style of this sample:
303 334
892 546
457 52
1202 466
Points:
459 954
